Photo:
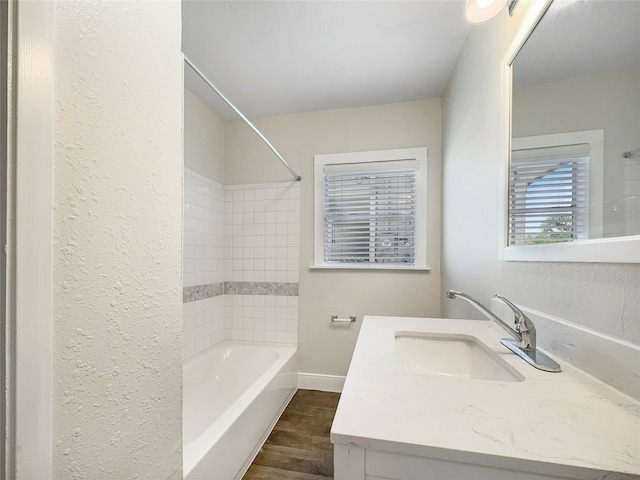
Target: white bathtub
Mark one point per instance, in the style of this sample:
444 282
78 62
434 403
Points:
232 397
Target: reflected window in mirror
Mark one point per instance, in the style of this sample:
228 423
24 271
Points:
579 71
550 200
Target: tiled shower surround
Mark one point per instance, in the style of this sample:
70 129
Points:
241 250
203 263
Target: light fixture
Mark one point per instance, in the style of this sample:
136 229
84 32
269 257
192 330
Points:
480 10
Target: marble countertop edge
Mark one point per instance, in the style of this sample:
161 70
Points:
484 459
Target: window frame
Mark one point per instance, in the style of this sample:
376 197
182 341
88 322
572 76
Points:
577 250
418 154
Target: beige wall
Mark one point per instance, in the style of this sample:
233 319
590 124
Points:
611 103
323 349
203 139
117 268
601 296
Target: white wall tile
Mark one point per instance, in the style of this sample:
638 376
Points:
240 233
203 254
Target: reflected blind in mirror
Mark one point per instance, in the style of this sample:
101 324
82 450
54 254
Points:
549 195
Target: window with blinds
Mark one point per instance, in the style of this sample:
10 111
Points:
370 209
370 217
549 195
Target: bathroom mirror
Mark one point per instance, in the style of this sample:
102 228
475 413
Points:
573 183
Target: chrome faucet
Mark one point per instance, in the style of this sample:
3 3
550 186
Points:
524 333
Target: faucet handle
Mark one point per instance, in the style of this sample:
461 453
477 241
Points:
522 322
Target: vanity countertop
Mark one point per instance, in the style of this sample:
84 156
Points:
561 424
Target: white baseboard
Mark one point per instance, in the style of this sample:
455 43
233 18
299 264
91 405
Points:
317 381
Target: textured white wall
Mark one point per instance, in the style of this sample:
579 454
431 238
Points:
601 296
203 139
322 348
117 365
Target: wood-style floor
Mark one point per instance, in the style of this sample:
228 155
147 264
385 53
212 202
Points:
299 446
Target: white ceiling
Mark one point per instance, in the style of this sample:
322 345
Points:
278 57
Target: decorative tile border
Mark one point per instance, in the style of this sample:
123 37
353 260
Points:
201 292
261 288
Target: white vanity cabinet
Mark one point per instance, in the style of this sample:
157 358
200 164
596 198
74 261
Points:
355 463
392 424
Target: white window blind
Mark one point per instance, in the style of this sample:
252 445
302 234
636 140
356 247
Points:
549 195
370 215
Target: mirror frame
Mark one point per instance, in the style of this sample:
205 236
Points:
602 250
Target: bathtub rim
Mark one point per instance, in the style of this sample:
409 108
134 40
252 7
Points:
196 450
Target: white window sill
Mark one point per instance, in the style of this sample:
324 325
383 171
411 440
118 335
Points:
372 267
604 250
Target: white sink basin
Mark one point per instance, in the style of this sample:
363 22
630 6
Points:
452 355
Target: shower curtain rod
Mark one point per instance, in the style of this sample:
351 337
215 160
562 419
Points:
246 120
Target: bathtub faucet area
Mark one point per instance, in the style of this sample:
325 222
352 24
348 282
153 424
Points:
524 334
